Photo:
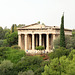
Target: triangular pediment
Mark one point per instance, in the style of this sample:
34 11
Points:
34 26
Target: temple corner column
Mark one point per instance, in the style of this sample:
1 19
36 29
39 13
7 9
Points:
19 40
47 41
33 42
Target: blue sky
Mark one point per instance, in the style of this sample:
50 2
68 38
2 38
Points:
31 11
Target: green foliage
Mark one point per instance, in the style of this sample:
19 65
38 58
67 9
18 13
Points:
1 43
28 63
39 71
5 43
1 33
62 35
59 52
5 31
6 67
13 28
57 43
62 66
15 47
40 48
69 41
2 53
38 22
21 25
29 72
13 55
12 38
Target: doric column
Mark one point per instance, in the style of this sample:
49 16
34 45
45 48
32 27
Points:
53 39
47 41
36 40
25 41
33 42
19 40
40 40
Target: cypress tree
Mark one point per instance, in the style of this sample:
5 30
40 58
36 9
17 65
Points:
62 34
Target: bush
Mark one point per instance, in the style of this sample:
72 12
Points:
68 40
2 53
39 71
1 42
15 47
12 38
29 72
40 48
6 67
28 63
13 55
59 52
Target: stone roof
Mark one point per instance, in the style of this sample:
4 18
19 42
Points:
40 26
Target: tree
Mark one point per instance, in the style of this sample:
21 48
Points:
38 22
29 72
6 67
68 40
62 35
40 48
13 28
1 33
12 38
62 66
21 25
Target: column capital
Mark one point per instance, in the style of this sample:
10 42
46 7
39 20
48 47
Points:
47 34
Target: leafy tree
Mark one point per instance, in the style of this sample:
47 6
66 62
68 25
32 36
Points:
1 33
6 67
38 22
5 31
29 72
62 35
21 25
28 63
13 28
62 66
1 43
12 38
59 52
43 24
68 40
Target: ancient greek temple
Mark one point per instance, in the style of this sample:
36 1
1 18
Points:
31 36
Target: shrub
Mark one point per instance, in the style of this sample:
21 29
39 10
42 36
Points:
59 52
29 72
2 53
28 63
15 47
1 42
40 48
11 54
14 55
6 67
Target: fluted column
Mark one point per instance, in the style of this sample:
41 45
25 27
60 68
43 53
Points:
19 40
47 41
33 42
53 39
40 42
25 41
